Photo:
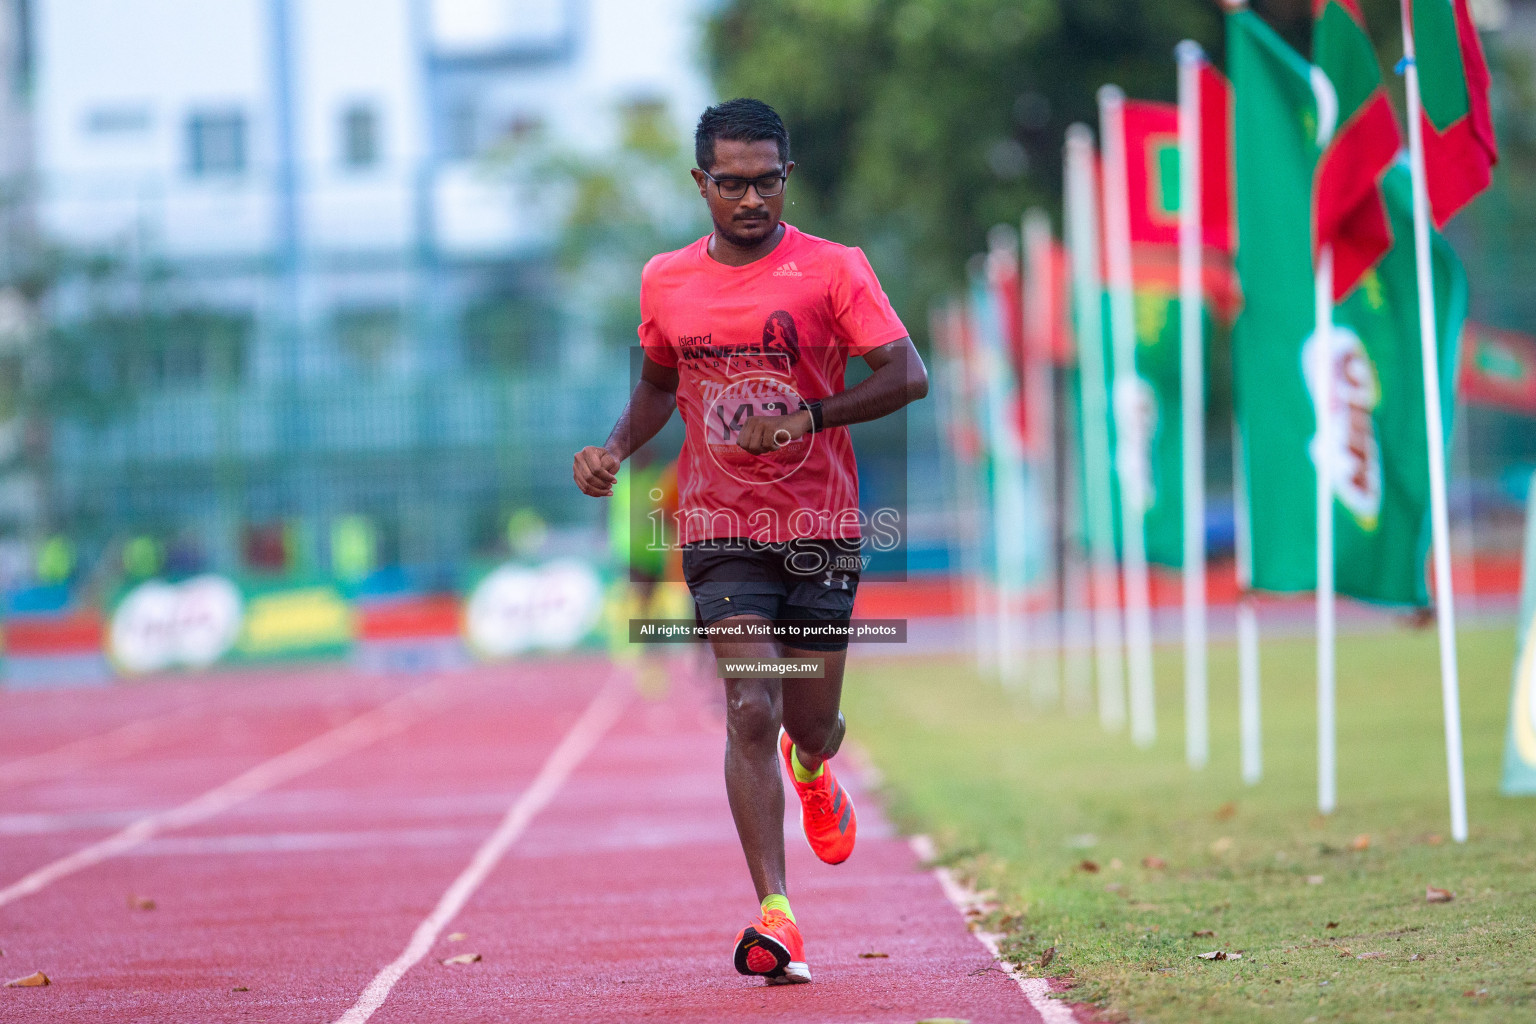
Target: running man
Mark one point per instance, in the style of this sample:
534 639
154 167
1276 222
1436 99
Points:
748 331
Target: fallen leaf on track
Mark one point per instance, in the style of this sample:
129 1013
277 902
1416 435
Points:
1153 863
1204 933
140 903
463 958
241 988
1089 866
36 979
1433 895
457 937
1360 842
873 956
1218 954
1047 957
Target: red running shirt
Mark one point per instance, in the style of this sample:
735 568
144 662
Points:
756 341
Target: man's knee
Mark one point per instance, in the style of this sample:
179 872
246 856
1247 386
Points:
822 739
752 711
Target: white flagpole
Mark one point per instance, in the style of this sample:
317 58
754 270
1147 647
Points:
1323 361
1322 353
1131 455
1248 707
1197 736
1083 240
1038 304
1445 611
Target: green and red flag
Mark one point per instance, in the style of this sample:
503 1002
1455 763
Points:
1348 211
1498 369
1459 145
1381 484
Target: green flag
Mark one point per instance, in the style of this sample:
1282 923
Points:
1381 476
1153 397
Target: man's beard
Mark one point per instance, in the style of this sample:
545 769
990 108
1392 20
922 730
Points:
740 240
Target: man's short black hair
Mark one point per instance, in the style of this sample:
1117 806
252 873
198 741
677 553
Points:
739 120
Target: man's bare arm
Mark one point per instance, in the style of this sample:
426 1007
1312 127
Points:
650 406
899 379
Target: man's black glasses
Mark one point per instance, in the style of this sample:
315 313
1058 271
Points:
767 186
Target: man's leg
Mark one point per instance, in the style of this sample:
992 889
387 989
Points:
813 731
753 713
811 709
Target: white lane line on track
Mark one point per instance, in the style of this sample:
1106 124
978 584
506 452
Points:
1036 990
596 720
88 750
369 727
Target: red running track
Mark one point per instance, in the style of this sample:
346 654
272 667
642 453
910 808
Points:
616 896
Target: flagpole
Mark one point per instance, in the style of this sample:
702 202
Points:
1322 367
1251 736
1131 456
1322 340
1445 611
1197 738
1035 281
1083 238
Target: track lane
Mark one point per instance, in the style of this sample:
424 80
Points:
300 894
623 897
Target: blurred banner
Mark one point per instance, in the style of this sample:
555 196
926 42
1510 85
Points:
212 619
1498 369
516 608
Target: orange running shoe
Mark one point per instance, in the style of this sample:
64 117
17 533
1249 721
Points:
772 949
827 818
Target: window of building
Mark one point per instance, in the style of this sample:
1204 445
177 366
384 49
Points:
216 143
463 131
370 335
360 136
117 121
507 332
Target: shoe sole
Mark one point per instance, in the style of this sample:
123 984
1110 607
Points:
805 835
784 972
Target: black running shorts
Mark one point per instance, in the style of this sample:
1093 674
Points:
802 580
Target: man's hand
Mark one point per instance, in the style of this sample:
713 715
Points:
763 434
595 471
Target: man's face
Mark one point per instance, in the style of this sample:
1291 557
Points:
750 219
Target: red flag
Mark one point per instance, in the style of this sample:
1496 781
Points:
1152 173
1348 211
1218 181
1460 150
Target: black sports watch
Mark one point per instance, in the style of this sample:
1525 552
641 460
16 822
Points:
814 408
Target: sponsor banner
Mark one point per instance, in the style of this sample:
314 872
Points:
517 608
210 619
1520 748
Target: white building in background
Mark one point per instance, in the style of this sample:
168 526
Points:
214 128
317 182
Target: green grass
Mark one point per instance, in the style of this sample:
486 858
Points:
1014 798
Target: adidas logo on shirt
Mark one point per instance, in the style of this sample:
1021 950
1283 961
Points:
788 270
